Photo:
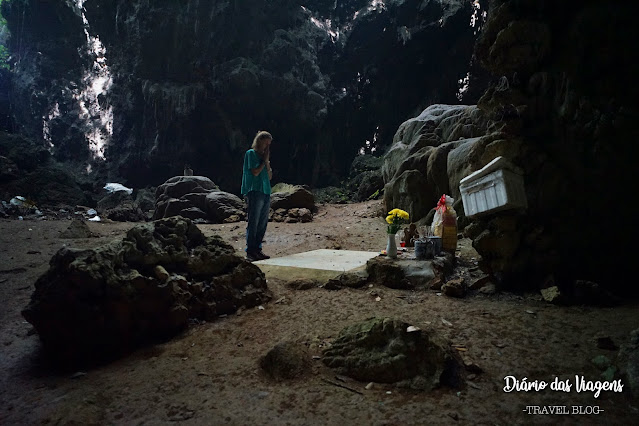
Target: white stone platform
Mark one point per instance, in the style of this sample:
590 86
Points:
323 259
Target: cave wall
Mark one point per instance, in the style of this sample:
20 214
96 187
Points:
564 102
192 82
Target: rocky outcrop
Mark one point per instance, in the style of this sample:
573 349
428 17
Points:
29 170
561 108
384 350
99 302
197 198
292 203
563 103
429 156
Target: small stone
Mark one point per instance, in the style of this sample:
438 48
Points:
551 294
369 386
488 289
161 273
480 282
455 288
435 284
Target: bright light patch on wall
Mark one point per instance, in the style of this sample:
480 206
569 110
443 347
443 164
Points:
478 17
46 129
327 26
370 146
95 82
376 5
463 86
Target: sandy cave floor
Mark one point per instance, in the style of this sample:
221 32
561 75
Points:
209 374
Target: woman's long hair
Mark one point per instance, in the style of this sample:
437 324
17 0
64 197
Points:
257 141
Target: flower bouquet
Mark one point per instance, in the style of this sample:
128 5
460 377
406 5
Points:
395 219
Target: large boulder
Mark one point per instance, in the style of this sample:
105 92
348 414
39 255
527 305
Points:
224 207
385 350
102 301
415 169
286 197
197 198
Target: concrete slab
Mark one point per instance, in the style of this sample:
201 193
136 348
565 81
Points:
323 259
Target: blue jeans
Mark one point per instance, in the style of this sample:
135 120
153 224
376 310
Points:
259 205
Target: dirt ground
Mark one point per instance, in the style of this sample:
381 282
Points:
210 374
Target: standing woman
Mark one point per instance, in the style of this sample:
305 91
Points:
256 186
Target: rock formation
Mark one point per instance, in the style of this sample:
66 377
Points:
100 302
197 198
561 107
384 350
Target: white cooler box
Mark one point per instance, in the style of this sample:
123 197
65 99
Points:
497 186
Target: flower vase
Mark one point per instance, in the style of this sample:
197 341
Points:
391 246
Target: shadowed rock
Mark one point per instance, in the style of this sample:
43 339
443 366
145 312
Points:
382 350
102 301
629 364
197 197
77 229
286 360
292 196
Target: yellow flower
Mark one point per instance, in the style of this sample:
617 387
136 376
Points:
394 219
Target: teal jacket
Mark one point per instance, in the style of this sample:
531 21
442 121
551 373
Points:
250 183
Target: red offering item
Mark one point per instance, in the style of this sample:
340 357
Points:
445 223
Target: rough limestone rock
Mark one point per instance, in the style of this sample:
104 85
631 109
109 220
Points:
365 177
286 197
120 206
303 284
102 301
628 362
388 273
370 183
77 229
223 206
287 360
346 280
197 198
563 109
112 200
128 211
383 350
402 273
455 288
415 169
